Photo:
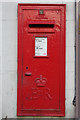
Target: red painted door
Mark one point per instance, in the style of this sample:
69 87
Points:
41 60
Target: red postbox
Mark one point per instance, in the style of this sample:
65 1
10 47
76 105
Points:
41 60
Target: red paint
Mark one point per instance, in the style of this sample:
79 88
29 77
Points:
41 79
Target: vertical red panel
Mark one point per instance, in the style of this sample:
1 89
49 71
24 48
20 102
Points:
41 60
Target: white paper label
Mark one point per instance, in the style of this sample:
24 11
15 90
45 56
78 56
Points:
41 46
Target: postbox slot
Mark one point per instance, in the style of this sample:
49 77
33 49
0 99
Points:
41 25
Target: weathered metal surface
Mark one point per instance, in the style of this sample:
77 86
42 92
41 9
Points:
41 77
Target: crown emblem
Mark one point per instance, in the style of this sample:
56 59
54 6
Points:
40 82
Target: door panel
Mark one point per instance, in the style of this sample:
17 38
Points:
42 55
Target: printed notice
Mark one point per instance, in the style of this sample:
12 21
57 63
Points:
40 46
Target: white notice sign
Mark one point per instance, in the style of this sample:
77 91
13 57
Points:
40 46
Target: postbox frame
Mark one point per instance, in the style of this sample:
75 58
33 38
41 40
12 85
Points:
21 7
